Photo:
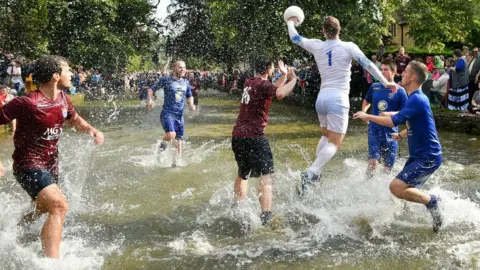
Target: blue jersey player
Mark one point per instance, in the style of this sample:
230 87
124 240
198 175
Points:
176 90
423 143
383 102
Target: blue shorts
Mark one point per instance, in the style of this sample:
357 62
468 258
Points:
34 180
382 147
172 123
417 171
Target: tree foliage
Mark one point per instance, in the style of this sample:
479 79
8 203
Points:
190 35
434 23
230 31
93 33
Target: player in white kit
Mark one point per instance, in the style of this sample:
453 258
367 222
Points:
333 58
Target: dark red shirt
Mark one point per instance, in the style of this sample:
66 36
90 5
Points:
39 127
256 99
402 63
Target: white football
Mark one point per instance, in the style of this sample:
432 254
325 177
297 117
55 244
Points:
294 11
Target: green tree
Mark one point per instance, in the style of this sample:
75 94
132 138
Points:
230 31
93 33
22 24
434 23
197 39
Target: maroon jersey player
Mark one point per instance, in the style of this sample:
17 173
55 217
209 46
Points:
249 144
41 115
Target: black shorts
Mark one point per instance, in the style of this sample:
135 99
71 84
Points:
253 155
34 180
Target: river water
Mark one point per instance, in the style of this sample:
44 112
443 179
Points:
128 210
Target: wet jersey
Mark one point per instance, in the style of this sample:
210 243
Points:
256 99
39 127
334 58
382 100
423 139
175 91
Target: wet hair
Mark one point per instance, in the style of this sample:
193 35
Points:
261 64
177 61
420 71
457 53
46 66
331 25
390 63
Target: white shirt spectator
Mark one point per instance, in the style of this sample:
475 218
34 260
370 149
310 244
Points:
15 73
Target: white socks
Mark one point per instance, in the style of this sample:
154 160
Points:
321 144
323 156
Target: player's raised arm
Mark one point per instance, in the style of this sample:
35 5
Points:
369 66
307 44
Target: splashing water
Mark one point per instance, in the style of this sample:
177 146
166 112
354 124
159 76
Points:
128 210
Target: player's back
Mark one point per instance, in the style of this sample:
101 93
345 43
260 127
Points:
334 60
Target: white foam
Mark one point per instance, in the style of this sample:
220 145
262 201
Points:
196 243
20 246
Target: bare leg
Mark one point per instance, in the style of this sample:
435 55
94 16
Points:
14 126
406 192
265 193
169 136
50 200
387 169
179 144
240 188
372 167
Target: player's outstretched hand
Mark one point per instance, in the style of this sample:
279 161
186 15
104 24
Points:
98 135
360 115
396 136
392 86
282 67
293 19
291 74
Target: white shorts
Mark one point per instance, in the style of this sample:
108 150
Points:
332 109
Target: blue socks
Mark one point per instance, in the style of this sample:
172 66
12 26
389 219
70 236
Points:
433 202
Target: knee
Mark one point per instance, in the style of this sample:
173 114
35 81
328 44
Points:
396 190
265 183
170 136
59 207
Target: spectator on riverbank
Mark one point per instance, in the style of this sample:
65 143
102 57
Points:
356 82
5 62
466 53
14 76
429 64
474 106
6 97
440 83
402 61
473 71
458 96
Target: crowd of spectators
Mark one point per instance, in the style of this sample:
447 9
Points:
453 81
